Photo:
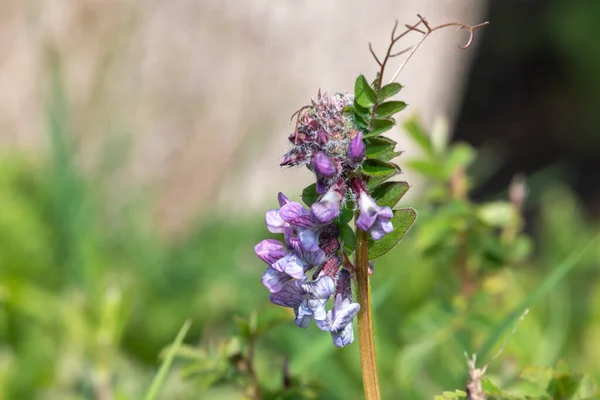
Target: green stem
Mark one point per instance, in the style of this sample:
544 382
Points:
366 334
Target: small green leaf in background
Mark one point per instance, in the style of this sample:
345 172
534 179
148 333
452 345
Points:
378 126
402 220
309 194
497 214
374 167
389 90
389 193
389 108
363 93
461 155
347 235
161 375
564 387
416 132
380 145
428 168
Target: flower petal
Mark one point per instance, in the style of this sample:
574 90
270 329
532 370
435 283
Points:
295 214
303 315
309 239
274 279
322 165
343 337
270 250
290 295
275 223
292 265
321 288
282 199
344 316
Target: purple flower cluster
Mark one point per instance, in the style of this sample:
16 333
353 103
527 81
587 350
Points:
305 270
304 273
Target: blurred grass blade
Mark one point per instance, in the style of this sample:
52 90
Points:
161 375
542 290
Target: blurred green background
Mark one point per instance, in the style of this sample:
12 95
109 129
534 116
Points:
94 283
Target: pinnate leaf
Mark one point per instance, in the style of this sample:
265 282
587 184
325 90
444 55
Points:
389 108
389 90
402 220
309 195
363 93
374 167
389 193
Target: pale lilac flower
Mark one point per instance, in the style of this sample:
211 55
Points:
291 295
339 319
356 150
292 265
328 208
318 293
270 250
274 279
373 218
310 254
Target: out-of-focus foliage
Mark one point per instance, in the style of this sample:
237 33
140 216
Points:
90 295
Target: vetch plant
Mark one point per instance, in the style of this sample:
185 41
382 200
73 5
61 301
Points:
339 138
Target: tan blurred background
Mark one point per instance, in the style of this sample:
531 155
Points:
206 88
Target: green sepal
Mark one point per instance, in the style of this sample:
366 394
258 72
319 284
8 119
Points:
402 220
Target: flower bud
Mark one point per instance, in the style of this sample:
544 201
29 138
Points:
356 150
322 137
322 165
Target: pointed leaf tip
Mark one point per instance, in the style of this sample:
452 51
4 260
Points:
402 220
364 93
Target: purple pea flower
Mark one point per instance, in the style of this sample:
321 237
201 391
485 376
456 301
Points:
291 295
293 215
318 293
339 320
328 208
356 150
274 279
342 315
312 256
292 265
270 250
374 219
322 165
